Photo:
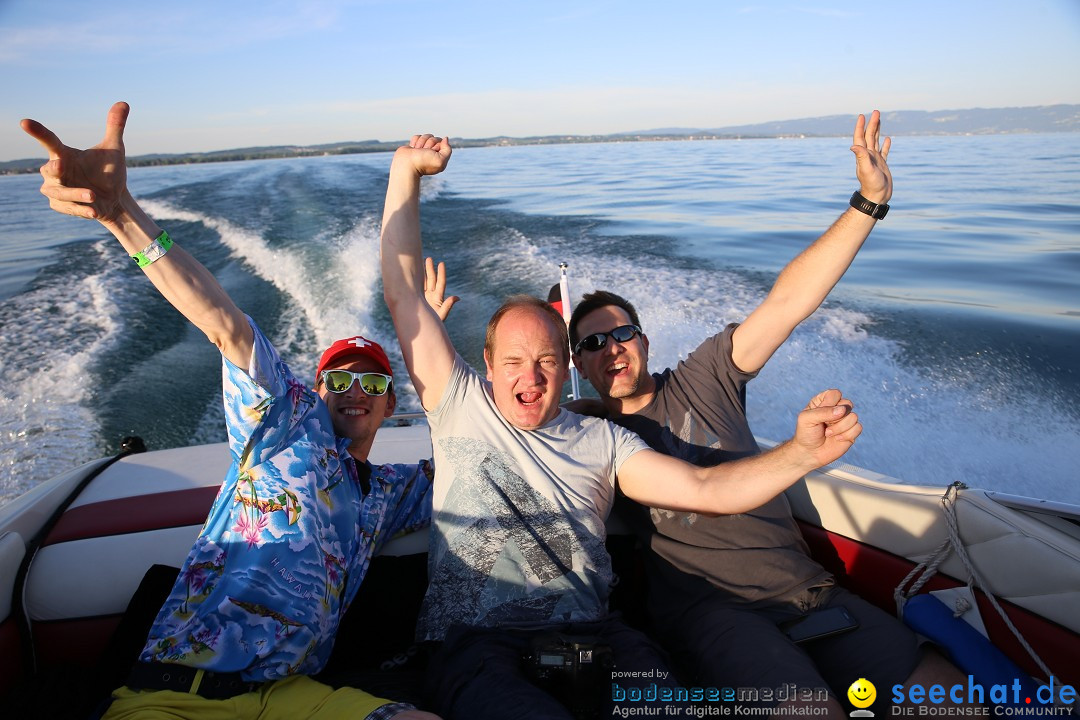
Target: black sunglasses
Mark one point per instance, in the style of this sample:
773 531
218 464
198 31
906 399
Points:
596 341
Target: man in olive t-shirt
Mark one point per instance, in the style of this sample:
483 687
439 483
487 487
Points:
721 584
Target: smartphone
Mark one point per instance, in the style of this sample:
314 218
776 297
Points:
819 624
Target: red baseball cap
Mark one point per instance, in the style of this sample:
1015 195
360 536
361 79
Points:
354 346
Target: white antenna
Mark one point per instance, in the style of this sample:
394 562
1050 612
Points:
564 292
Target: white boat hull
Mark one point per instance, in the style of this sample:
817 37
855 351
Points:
147 509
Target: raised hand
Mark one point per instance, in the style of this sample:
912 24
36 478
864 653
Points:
435 289
871 156
827 428
426 154
85 183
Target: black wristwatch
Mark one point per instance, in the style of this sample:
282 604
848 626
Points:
865 206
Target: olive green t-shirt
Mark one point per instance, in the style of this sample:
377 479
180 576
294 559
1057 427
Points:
699 415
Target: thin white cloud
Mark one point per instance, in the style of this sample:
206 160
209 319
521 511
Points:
177 30
18 44
830 12
581 12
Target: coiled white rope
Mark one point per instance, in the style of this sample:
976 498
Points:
929 567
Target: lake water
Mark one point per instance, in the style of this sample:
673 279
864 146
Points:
956 331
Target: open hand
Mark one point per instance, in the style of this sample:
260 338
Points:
435 289
85 183
827 428
871 156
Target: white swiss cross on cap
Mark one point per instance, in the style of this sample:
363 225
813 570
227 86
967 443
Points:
353 347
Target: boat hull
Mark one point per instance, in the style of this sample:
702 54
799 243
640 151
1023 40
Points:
146 509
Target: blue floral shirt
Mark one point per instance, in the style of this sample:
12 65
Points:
289 537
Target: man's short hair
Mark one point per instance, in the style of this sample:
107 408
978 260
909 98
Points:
526 302
594 301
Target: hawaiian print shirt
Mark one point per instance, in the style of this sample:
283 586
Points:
289 537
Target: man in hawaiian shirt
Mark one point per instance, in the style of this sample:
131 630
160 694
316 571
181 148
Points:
301 511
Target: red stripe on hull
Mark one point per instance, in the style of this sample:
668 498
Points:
874 574
139 513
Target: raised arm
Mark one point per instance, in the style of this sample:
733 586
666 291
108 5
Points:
824 431
803 284
92 184
428 353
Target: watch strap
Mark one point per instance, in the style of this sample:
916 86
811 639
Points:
863 205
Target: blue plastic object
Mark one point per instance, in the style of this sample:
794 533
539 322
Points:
970 651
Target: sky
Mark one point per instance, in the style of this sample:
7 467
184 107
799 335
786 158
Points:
204 76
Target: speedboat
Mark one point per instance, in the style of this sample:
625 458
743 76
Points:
76 550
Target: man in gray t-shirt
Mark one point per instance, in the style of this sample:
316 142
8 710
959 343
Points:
517 550
524 487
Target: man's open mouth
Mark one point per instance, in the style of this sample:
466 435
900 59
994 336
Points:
617 368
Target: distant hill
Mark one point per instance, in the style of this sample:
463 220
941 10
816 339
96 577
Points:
976 121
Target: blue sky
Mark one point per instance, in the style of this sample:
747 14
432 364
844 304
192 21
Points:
215 75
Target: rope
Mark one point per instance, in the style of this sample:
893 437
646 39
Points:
961 606
930 566
948 502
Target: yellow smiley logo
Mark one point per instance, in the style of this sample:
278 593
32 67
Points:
862 693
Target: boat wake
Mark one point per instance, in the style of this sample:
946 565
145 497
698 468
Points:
51 339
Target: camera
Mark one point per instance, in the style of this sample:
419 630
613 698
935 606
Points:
573 668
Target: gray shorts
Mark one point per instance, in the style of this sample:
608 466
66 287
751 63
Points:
731 646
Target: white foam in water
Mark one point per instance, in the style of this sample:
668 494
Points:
354 286
976 423
431 186
48 339
211 428
973 425
338 288
334 286
359 280
284 268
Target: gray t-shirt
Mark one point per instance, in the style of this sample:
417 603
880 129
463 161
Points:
699 415
518 516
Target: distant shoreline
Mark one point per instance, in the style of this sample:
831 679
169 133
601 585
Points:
23 167
20 167
977 121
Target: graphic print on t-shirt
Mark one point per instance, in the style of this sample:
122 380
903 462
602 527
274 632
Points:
692 442
507 554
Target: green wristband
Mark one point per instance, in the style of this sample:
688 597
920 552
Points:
154 251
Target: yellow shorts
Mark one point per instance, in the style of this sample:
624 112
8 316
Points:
287 699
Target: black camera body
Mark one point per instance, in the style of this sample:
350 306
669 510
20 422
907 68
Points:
574 668
559 655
